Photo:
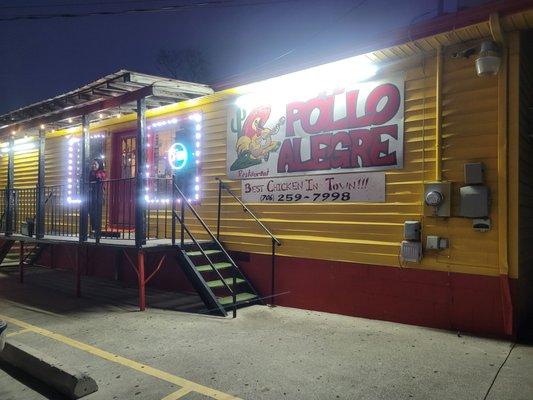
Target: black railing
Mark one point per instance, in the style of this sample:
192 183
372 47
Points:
158 206
185 204
274 240
24 210
61 211
111 208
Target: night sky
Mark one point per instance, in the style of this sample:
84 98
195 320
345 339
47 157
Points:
43 58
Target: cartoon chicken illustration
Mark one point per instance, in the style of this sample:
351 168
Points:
255 142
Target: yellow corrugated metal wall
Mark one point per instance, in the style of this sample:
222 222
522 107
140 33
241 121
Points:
367 233
370 233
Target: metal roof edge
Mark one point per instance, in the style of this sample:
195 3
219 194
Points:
425 29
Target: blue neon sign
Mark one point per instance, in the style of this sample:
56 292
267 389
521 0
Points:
178 155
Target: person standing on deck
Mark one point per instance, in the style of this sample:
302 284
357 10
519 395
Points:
96 176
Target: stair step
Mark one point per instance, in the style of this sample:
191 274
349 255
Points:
218 266
199 253
228 300
218 283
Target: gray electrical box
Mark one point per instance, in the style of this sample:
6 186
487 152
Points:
474 173
474 201
411 251
411 230
436 243
437 199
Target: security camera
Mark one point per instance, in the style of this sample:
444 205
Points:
466 53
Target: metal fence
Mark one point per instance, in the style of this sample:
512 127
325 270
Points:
110 207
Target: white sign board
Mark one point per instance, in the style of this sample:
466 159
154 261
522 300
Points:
352 129
363 187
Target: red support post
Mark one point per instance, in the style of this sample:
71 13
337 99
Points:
52 257
140 267
21 262
78 271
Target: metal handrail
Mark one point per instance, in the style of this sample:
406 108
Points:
191 208
202 251
184 201
274 240
223 185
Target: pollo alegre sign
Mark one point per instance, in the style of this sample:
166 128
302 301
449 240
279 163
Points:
352 129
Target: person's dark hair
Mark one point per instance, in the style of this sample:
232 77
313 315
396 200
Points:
100 164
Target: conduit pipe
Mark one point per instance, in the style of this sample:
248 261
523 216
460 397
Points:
503 227
438 116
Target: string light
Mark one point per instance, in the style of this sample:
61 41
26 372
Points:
73 154
170 122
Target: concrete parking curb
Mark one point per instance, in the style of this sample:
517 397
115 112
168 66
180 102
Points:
63 378
3 327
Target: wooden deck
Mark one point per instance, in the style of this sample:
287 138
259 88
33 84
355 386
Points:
109 242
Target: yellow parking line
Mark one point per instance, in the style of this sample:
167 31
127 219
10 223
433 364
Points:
17 332
178 394
145 369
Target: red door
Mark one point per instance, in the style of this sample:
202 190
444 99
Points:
122 185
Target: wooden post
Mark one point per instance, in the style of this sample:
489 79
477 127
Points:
140 204
39 231
21 262
84 178
140 267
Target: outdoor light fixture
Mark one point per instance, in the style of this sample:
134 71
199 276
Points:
19 145
489 59
308 82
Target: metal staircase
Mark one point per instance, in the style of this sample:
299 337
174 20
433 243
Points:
213 273
6 254
35 253
217 279
10 255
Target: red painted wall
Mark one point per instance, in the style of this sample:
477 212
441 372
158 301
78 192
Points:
462 302
110 263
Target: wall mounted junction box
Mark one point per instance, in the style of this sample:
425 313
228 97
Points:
475 201
436 243
411 230
474 173
411 251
